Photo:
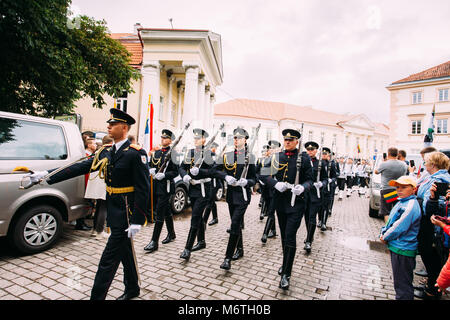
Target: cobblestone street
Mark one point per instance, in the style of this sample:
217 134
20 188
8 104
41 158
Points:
345 263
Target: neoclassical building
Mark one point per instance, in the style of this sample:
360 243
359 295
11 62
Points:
348 131
180 70
411 104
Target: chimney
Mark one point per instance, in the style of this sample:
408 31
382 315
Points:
137 25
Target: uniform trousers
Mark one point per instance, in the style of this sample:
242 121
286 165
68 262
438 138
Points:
289 218
341 183
118 250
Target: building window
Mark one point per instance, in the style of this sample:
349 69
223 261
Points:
173 114
441 126
269 134
416 126
161 108
417 97
443 94
122 101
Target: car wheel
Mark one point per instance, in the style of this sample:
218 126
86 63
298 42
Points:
36 230
219 194
373 213
179 200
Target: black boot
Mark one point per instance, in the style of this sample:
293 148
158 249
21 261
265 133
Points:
267 228
153 244
81 225
289 255
323 227
213 221
189 243
170 230
201 244
232 242
309 237
239 248
263 211
280 270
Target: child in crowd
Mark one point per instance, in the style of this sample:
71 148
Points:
400 235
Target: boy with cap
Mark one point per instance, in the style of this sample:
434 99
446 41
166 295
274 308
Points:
400 235
164 187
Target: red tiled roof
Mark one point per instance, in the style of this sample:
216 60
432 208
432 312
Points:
267 110
132 43
440 71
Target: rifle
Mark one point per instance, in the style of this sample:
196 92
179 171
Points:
168 155
319 167
247 160
299 166
330 162
207 146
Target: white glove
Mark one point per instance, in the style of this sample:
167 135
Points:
281 186
160 176
187 178
298 189
194 171
318 184
153 172
242 182
330 180
230 180
37 176
133 230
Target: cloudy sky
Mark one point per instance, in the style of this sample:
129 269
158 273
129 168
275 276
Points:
332 55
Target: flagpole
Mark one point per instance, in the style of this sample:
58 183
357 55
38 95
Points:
151 147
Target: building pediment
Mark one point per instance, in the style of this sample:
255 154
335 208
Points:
358 122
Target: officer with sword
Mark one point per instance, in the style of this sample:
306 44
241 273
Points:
124 168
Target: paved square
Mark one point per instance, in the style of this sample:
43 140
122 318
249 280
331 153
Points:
346 263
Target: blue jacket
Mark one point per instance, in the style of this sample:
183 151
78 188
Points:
424 188
402 228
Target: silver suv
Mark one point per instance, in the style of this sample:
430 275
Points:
32 219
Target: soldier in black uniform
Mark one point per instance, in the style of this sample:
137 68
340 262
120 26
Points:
328 191
315 194
125 170
263 162
216 186
270 227
163 188
284 164
199 190
230 168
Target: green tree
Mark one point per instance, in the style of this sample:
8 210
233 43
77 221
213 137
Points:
48 61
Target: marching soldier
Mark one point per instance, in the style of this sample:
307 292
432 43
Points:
363 174
270 227
349 176
263 190
199 178
341 178
328 191
125 170
315 194
230 169
164 187
216 186
285 165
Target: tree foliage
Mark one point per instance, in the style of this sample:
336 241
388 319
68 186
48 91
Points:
49 61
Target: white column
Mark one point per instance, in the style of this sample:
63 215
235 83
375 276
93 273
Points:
179 105
191 94
201 102
151 79
207 108
169 103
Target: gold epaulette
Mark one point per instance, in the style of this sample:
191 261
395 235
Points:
135 146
